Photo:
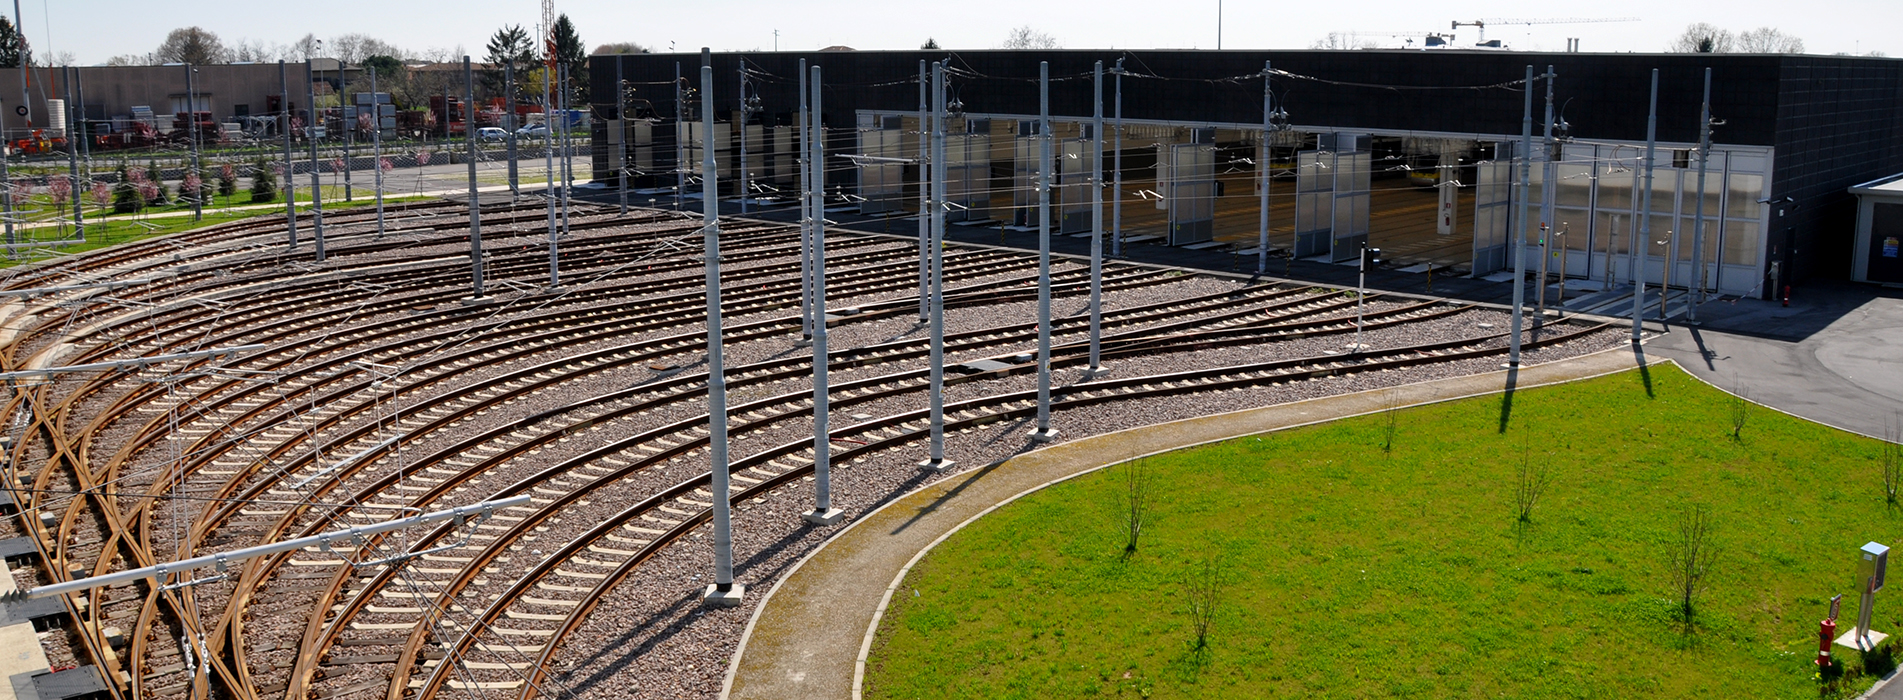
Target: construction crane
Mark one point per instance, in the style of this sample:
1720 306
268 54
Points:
1482 23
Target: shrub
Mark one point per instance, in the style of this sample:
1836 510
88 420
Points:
264 183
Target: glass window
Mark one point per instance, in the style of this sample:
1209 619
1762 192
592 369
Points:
1687 234
1659 237
1752 162
1613 230
1742 197
1575 185
1664 189
1572 229
1741 243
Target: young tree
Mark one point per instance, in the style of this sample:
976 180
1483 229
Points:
13 46
227 180
125 194
1134 501
1202 588
1700 37
194 45
1738 409
1025 37
1529 485
1691 556
571 54
1890 460
264 183
929 45
1337 41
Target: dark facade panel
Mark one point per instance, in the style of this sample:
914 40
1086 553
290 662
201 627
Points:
1840 124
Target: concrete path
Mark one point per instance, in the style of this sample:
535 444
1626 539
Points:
21 656
809 637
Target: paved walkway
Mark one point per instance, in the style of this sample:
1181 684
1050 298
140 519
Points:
809 638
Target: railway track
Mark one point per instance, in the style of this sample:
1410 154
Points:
380 391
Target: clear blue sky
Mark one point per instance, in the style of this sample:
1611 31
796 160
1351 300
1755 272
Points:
94 30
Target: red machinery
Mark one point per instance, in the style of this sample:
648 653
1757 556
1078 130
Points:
136 135
208 129
38 143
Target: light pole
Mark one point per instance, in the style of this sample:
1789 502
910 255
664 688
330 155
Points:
376 144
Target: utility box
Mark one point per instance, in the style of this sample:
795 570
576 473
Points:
1876 559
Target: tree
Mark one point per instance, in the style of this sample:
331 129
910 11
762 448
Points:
131 59
386 67
572 55
1337 41
623 47
929 45
1025 37
509 45
251 51
13 46
1768 40
354 48
1700 37
303 49
1691 556
194 45
1202 587
264 183
1134 502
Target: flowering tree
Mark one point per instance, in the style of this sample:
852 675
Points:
422 158
20 190
193 185
337 165
386 165
59 188
102 194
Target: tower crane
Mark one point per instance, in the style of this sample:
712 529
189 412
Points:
1482 23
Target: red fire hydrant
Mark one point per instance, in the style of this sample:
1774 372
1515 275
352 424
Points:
1826 635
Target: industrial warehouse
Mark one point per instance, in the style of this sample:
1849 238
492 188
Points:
962 373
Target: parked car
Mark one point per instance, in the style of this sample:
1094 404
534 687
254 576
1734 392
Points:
492 133
533 131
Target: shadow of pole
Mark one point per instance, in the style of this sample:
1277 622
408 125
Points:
1645 370
1506 398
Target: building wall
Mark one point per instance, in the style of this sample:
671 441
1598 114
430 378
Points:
1840 123
113 91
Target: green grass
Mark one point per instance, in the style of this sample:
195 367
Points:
1350 573
105 232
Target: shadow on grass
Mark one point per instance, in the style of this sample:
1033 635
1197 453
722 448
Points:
1645 370
1506 398
1188 666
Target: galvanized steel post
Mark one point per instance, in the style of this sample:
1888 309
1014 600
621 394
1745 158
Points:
1268 131
475 204
1519 226
723 592
924 198
1043 432
823 512
1645 216
290 171
376 145
937 394
1096 227
1698 220
317 182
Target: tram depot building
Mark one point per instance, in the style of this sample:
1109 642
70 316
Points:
1372 144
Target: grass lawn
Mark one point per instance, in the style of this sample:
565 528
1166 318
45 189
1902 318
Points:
1353 573
101 233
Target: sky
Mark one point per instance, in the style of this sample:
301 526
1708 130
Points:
95 30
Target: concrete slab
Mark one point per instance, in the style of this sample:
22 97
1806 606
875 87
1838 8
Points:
809 638
21 656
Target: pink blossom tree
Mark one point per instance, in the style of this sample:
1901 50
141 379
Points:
102 195
59 188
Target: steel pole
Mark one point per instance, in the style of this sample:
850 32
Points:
924 198
1519 226
621 113
680 138
556 224
823 512
1645 216
937 394
191 110
475 203
1548 187
723 591
807 178
740 123
317 182
376 145
290 170
1698 220
548 160
1096 225
344 107
1268 130
1116 190
568 151
6 194
508 125
1043 431
72 163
